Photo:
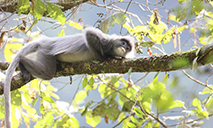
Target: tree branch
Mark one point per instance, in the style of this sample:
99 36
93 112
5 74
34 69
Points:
155 63
11 6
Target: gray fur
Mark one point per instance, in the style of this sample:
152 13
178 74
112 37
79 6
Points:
90 45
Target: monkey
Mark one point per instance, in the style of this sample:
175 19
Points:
90 45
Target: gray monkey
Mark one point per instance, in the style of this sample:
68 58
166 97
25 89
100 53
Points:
92 44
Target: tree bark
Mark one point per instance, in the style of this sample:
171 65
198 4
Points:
11 5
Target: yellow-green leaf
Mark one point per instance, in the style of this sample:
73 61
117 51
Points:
48 99
75 25
39 9
10 49
56 13
23 6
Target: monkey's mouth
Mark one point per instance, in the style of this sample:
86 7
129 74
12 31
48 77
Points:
122 50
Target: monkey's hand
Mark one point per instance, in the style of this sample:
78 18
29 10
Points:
119 57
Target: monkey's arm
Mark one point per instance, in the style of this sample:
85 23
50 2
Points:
96 39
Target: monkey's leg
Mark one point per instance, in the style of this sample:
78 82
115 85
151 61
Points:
26 74
44 67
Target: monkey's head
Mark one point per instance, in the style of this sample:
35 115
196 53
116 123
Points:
123 47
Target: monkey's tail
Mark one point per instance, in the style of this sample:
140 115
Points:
29 48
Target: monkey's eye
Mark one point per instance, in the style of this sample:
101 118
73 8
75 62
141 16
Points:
128 48
123 43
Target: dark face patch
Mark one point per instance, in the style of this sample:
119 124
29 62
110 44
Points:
121 47
126 45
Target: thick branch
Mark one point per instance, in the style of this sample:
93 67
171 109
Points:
11 5
155 63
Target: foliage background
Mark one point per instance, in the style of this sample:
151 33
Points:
178 84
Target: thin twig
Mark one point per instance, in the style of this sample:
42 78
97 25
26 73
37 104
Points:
189 122
197 81
207 80
141 78
119 10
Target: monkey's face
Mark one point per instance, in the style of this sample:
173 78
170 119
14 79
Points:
121 47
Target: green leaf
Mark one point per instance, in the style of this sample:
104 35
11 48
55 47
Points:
91 82
100 110
134 120
127 106
108 23
139 32
55 96
202 114
147 106
156 75
176 103
198 51
62 33
194 64
147 44
75 25
207 90
62 121
181 13
102 89
209 105
84 82
73 122
80 96
149 125
15 115
89 103
165 80
122 118
39 9
48 99
157 87
120 18
91 120
182 1
196 7
164 101
45 121
139 113
16 98
55 12
35 101
113 113
182 28
196 102
129 71
50 88
131 125
156 125
49 119
41 108
114 79
23 6
31 26
66 122
166 37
